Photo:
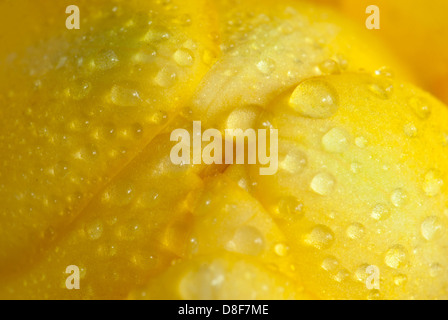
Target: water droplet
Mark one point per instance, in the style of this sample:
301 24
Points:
335 140
384 72
290 208
400 279
355 167
80 90
433 183
330 264
320 237
266 66
361 142
323 184
374 295
120 194
410 130
341 275
380 212
106 60
329 67
166 77
94 229
281 249
396 257
247 240
361 273
314 98
355 231
124 97
431 228
398 197
184 57
435 269
382 90
420 107
293 162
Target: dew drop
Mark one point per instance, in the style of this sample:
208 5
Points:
290 207
335 140
382 90
435 269
94 229
320 237
166 77
398 197
431 228
329 67
266 66
330 264
246 240
281 249
314 98
380 212
361 142
106 60
410 130
323 183
420 107
355 231
184 57
293 162
124 97
361 273
341 275
396 257
400 279
433 183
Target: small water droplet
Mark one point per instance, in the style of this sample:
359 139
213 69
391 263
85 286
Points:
247 240
435 269
380 212
382 90
329 67
396 257
94 229
433 183
266 66
361 273
330 264
320 237
410 130
166 77
355 231
314 98
290 207
341 275
124 97
281 249
420 107
335 140
398 197
431 228
400 279
293 162
105 60
184 57
323 184
361 142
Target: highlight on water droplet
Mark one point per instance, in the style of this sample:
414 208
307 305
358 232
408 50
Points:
314 98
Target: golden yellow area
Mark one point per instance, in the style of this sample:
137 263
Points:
87 180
